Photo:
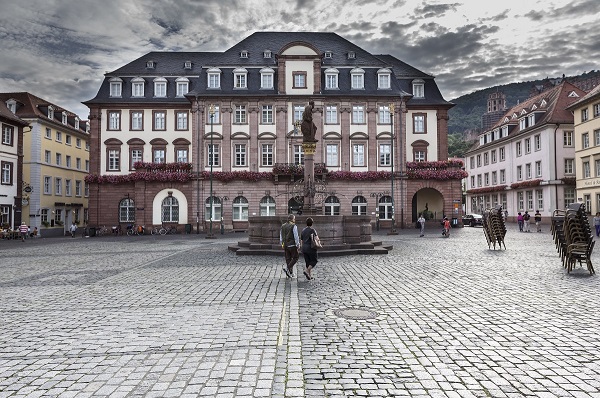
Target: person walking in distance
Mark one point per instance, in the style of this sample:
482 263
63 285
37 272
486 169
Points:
526 218
520 221
23 229
290 241
538 220
310 255
597 224
421 221
73 229
446 232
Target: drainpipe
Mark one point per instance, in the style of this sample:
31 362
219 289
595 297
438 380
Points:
555 167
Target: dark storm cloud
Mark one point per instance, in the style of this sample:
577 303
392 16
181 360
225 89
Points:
572 10
434 10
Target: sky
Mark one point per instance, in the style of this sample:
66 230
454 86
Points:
59 50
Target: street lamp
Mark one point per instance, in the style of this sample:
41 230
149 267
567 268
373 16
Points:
211 112
393 227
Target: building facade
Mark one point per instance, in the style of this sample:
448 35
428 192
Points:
11 167
55 164
202 138
586 112
526 162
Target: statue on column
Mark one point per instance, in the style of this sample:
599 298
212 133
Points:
309 130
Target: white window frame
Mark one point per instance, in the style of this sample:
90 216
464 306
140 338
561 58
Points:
267 78
331 114
182 85
182 120
114 160
240 115
240 155
137 87
266 115
214 79
240 78
267 155
58 186
384 79
137 120
160 87
332 155
385 154
384 114
331 79
357 77
358 155
213 155
569 166
358 114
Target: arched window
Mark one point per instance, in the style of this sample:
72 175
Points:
240 209
216 209
127 210
170 209
332 206
359 206
267 206
385 208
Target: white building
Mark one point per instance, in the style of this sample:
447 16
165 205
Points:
526 161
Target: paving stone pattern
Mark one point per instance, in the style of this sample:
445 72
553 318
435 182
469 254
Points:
180 316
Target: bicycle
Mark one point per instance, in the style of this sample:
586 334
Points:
164 230
101 231
139 230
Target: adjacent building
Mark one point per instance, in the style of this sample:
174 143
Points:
586 112
55 163
526 161
11 167
200 138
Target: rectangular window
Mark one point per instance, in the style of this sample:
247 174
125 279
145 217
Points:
384 114
137 89
299 79
539 194
266 80
267 155
160 89
267 114
586 170
473 182
597 165
567 138
182 120
136 156
115 89
68 188
418 90
68 161
419 156
47 187
216 116
78 163
240 80
486 178
479 180
113 160
298 110
87 165
240 114
332 155
502 154
569 166
182 88
298 154
493 153
160 120
385 155
518 148
214 80
57 186
58 159
478 160
585 140
596 114
569 195
58 136
358 81
137 120
522 124
48 156
78 143
358 155
538 168
502 176
67 139
529 200
358 114
181 155
213 155
44 215
528 170
519 173
537 142
419 123
48 133
331 114
331 80
384 80
472 162
494 178
7 174
584 114
77 188
159 155
527 145
520 201
240 155
7 135
114 120
486 158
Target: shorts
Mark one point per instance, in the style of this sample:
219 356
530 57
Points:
311 259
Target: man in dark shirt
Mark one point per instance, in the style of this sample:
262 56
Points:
290 241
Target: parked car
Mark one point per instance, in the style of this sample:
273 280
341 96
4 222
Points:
472 219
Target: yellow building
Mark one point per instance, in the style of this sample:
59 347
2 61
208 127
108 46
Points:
55 163
587 149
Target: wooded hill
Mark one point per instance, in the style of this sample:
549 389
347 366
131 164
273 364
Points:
465 116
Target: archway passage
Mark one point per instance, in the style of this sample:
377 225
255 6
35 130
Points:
429 202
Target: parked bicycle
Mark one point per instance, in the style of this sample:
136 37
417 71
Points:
135 230
164 230
101 231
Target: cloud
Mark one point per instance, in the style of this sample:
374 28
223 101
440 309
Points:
435 10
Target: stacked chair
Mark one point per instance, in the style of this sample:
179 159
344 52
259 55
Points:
573 236
494 227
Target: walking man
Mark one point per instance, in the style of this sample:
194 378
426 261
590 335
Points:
421 221
290 241
73 229
526 218
538 220
23 229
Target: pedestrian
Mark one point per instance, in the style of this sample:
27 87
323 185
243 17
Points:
446 231
290 241
73 229
597 223
526 218
23 229
310 255
520 221
505 215
421 221
538 220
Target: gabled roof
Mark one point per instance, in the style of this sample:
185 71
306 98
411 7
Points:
593 95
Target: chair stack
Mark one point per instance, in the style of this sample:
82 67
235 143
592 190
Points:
494 227
573 236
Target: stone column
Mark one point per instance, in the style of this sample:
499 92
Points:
309 176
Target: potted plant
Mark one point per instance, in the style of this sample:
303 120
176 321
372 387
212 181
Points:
45 224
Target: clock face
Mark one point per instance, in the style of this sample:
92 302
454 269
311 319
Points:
24 202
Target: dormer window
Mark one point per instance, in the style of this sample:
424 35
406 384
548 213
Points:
331 78
328 54
523 124
240 77
183 85
51 112
150 64
418 88
267 54
244 54
64 117
187 65
531 120
351 55
76 122
214 78
573 94
358 78
384 78
11 104
116 87
504 131
160 87
137 87
266 78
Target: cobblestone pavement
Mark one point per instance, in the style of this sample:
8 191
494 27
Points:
180 316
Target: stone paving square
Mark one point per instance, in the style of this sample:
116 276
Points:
180 316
